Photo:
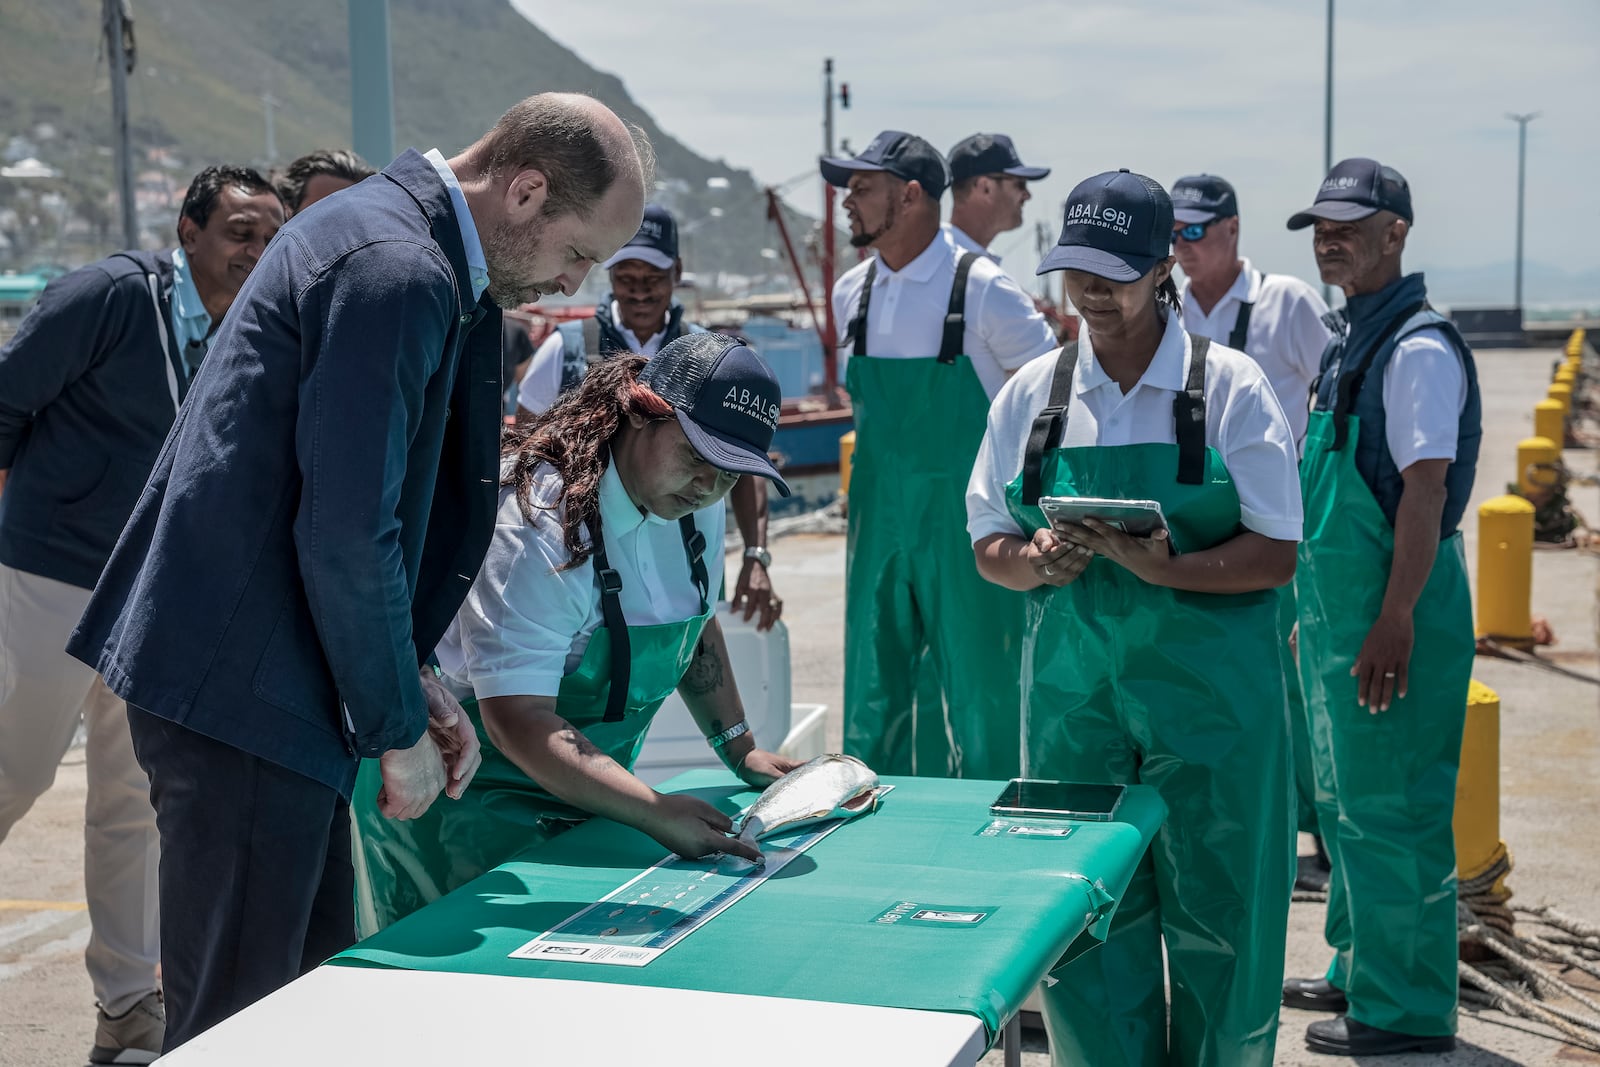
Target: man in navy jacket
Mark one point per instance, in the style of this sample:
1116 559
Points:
313 522
88 390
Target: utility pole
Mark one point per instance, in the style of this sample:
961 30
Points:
268 102
830 328
371 82
120 57
1327 119
1522 167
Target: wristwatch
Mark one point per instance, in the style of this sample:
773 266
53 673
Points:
759 554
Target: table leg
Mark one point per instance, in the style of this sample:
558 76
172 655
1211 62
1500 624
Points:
1011 1038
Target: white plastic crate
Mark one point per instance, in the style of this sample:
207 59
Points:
761 667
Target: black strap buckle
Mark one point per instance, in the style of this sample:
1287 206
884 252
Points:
695 545
610 581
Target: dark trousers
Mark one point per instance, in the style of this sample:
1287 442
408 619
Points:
256 882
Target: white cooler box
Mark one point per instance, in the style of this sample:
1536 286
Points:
761 667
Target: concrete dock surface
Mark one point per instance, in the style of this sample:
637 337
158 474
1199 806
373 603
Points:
1550 753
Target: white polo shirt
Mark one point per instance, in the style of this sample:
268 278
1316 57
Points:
1286 333
1424 393
525 625
906 316
541 385
1244 423
964 241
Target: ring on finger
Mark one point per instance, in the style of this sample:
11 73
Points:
1049 569
1388 674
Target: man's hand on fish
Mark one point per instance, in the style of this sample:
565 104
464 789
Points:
692 828
761 768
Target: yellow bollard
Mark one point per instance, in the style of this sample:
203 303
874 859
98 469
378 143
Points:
1477 815
1562 392
1548 421
1566 375
1535 458
1505 569
847 455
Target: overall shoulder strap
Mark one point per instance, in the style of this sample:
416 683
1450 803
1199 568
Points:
857 332
1189 415
953 343
1050 424
616 625
1241 328
694 550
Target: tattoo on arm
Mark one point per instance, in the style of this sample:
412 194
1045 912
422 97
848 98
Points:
705 674
580 742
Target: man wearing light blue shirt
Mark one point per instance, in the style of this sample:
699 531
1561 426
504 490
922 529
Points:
88 389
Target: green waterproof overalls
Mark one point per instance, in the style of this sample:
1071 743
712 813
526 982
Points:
1386 783
1129 682
930 678
625 675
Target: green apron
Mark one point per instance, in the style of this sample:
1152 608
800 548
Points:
1129 682
400 866
1305 804
930 678
1385 783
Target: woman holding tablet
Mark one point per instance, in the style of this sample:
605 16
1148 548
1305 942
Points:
594 603
1154 659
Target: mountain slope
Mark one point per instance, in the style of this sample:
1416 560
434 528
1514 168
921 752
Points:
204 64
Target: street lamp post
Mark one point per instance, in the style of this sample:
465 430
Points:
1522 166
1327 119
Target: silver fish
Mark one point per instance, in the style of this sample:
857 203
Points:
827 787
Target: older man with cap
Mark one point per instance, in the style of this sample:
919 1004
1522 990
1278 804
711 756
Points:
989 185
931 683
639 315
1386 471
1276 320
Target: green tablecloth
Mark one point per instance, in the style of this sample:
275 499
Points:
811 931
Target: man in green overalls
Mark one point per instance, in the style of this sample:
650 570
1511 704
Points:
1386 640
594 603
931 650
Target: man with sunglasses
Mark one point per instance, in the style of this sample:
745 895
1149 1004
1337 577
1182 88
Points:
989 184
1273 318
639 315
1276 320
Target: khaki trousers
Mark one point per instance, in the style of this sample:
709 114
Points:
43 694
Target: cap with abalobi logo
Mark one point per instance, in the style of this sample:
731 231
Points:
1354 189
1117 226
726 399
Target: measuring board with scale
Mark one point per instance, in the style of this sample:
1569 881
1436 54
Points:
642 918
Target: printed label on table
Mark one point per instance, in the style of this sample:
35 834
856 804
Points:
1045 828
642 918
954 915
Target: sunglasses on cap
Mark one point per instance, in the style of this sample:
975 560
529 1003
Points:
1195 230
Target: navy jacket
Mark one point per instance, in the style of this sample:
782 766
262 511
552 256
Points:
89 387
325 497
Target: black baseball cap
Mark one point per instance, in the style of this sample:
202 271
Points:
726 399
656 243
904 155
990 153
1354 189
1202 198
1117 226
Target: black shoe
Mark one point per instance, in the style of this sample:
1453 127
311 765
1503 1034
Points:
1312 872
1313 994
1346 1037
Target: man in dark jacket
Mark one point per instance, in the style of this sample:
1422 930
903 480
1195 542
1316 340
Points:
89 387
315 519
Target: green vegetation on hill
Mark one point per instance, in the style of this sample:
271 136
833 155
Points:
203 66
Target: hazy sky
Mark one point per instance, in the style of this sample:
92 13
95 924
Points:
1231 87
